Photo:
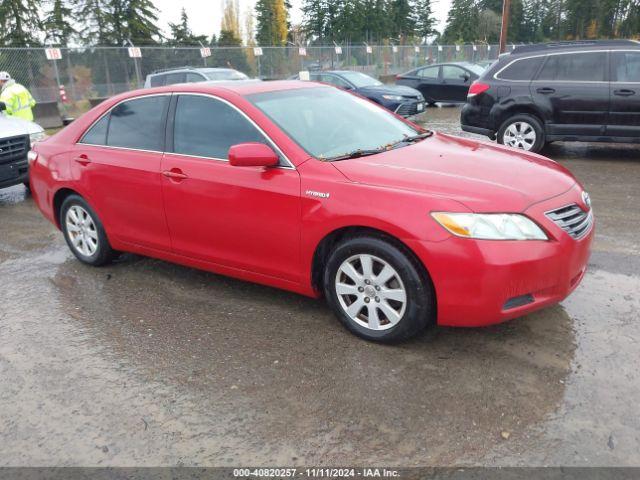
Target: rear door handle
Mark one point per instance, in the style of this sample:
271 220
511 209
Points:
546 90
175 173
82 159
624 92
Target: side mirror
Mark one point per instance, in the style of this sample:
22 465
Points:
252 155
3 106
465 77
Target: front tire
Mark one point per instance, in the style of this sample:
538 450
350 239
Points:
84 232
377 290
522 131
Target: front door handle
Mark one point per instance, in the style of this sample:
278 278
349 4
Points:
175 174
624 92
546 90
82 159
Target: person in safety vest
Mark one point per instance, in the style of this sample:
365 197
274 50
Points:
17 99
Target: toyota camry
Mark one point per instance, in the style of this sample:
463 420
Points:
312 189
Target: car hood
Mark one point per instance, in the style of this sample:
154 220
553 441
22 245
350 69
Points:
11 126
389 90
484 177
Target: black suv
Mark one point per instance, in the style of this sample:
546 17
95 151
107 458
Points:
569 91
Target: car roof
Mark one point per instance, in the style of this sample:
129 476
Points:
241 87
571 46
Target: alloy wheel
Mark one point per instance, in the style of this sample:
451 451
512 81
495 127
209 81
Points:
520 135
370 292
82 230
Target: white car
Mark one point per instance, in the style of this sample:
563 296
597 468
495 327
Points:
16 138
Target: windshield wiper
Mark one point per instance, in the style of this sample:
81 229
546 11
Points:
413 138
357 154
372 151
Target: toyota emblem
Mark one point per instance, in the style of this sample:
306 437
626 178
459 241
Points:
586 199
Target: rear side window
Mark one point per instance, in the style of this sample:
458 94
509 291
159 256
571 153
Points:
138 124
97 134
625 66
194 77
429 72
524 69
575 67
206 127
158 80
178 77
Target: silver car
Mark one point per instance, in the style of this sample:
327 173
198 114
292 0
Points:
192 75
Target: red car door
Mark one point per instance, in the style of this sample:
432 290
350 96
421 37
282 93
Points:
117 162
247 218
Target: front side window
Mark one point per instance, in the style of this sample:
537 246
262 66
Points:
206 127
524 69
625 66
575 67
328 122
451 72
97 134
138 123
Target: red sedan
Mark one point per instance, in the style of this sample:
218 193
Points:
312 189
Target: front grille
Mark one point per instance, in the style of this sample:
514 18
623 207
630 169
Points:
13 148
407 109
573 220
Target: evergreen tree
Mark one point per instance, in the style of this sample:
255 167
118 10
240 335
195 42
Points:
181 33
315 18
425 21
462 22
271 18
57 23
94 27
230 57
133 20
401 13
20 23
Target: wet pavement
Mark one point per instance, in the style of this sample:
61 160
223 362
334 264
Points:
148 363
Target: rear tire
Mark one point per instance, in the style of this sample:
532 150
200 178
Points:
522 131
377 290
84 232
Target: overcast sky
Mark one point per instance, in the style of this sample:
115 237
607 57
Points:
204 16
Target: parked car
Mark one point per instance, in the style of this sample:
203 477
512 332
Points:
283 183
442 82
191 75
485 63
16 136
402 100
569 91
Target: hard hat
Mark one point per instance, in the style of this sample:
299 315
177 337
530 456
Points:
4 76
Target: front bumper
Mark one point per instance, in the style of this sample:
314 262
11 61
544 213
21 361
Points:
409 108
479 282
14 173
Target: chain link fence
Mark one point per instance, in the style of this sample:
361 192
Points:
94 72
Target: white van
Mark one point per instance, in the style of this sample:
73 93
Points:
16 137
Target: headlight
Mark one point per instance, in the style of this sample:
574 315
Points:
395 98
37 137
490 226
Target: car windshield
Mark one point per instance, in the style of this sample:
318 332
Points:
225 75
360 79
328 122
